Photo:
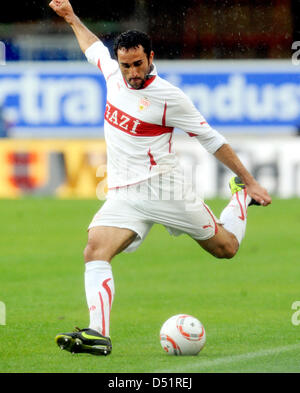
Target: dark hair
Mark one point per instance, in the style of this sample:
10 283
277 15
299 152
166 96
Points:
132 39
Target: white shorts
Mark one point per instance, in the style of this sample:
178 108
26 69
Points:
138 207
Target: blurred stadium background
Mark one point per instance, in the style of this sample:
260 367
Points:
232 57
238 62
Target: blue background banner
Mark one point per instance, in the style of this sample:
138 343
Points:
68 99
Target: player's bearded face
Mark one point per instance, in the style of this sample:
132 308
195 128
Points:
135 65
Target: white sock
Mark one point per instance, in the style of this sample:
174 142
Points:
100 290
234 216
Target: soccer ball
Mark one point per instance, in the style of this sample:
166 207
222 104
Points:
182 335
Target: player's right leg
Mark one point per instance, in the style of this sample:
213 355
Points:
117 226
103 244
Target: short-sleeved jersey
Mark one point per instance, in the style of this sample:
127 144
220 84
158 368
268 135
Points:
139 123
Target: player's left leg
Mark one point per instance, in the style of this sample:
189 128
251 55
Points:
223 244
231 232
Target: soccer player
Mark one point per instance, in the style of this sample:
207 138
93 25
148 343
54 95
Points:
141 112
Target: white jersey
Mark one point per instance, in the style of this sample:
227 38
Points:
139 124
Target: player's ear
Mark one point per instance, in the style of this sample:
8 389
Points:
151 57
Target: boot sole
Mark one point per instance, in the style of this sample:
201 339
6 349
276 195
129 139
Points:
75 345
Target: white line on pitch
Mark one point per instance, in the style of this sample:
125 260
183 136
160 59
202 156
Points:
200 364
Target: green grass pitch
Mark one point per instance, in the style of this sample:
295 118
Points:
244 303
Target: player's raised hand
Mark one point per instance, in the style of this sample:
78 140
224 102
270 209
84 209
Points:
63 8
84 36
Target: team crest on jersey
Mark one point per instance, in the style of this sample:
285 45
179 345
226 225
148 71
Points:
144 103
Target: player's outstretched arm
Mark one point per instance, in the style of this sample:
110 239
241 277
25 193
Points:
84 36
228 157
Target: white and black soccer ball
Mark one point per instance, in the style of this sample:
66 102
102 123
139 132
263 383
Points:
182 335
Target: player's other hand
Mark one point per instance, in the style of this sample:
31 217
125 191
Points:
63 8
260 194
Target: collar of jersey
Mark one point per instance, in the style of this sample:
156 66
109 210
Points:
151 78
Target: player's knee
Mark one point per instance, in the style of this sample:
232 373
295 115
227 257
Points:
88 253
226 251
95 251
230 252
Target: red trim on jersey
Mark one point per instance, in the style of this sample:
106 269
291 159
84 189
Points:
152 161
170 142
99 65
164 115
201 124
149 81
131 125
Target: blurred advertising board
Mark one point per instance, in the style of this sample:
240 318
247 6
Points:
67 99
77 168
60 168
